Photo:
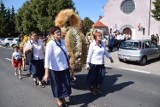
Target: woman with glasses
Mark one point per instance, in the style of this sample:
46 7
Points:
57 67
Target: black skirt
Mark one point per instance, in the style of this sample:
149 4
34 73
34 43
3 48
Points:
95 75
60 83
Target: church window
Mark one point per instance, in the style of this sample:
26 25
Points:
127 6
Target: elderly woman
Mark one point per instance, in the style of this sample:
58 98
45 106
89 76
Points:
95 63
57 67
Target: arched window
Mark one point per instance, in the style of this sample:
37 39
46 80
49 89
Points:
127 6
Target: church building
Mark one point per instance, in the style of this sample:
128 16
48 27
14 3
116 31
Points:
131 17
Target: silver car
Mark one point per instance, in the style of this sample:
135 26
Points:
138 51
14 42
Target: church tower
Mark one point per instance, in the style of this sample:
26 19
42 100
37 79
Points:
131 17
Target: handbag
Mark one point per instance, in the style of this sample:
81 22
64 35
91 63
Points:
29 54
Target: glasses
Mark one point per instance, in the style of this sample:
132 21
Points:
100 36
58 31
34 35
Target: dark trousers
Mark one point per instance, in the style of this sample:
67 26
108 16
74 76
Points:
95 75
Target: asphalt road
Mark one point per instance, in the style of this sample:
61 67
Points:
122 88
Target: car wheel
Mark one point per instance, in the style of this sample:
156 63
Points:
7 45
12 45
143 61
120 60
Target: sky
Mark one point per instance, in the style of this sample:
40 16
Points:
86 8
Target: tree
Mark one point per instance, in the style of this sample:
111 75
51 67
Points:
7 25
3 25
87 23
11 26
156 11
39 14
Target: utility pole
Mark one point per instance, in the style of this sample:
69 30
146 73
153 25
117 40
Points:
149 22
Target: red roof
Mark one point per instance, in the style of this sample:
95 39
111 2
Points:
99 24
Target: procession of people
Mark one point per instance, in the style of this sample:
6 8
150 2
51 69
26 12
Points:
57 61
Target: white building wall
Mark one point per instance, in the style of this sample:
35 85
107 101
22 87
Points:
155 25
113 15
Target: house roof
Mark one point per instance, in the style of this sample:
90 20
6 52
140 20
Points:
99 24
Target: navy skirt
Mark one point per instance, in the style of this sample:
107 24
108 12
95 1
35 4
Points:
60 83
95 75
37 68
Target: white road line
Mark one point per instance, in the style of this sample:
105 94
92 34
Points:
135 70
140 71
8 59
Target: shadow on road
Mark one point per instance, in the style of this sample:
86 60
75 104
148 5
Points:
109 86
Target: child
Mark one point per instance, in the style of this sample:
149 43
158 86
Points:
17 61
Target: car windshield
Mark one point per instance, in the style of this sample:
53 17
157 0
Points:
10 39
131 45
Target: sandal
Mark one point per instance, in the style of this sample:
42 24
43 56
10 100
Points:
65 102
62 105
20 77
35 83
93 90
73 78
15 73
99 90
41 85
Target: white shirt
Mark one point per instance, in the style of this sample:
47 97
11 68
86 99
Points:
118 37
38 49
96 53
17 55
55 58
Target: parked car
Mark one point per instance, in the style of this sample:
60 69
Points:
14 42
1 40
6 42
138 51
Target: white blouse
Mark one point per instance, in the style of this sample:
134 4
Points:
38 49
96 53
55 58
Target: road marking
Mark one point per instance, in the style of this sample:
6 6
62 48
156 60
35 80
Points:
8 59
135 70
153 92
140 71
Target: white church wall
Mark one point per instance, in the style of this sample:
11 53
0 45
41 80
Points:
113 15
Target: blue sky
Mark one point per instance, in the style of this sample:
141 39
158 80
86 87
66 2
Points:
86 8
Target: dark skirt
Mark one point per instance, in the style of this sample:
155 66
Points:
37 68
95 75
60 83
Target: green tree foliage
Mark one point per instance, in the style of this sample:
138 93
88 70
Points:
39 14
156 11
10 21
7 25
87 23
3 25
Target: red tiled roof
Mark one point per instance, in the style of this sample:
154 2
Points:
99 24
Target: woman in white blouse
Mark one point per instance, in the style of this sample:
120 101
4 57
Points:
37 62
57 67
95 63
